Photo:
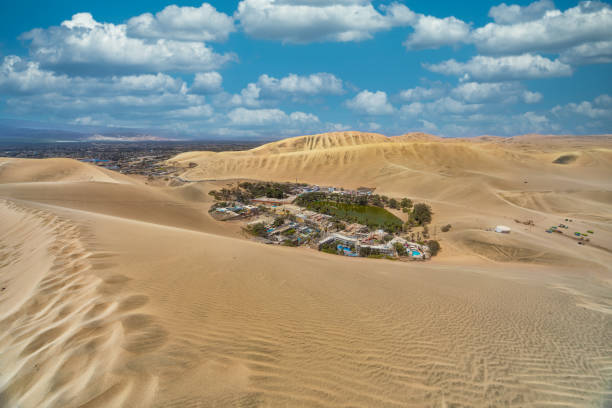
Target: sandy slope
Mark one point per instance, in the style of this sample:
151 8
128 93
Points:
131 295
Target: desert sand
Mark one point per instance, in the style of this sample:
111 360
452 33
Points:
116 293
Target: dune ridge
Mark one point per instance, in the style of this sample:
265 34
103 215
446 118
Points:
62 339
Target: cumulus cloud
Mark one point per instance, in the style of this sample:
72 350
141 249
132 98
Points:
316 21
260 117
206 83
554 31
433 32
419 93
18 76
202 23
511 14
599 52
22 77
314 84
249 96
196 111
513 67
474 92
599 108
531 97
371 103
84 46
268 88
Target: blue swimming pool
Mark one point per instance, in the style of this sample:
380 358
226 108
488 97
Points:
416 253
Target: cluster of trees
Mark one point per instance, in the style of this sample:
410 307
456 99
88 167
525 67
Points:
420 215
330 248
373 199
246 191
267 189
258 230
401 249
434 247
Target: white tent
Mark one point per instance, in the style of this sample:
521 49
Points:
502 229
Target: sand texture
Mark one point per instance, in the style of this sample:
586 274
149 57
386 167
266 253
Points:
115 293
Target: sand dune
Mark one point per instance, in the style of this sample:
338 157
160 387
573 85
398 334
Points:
51 170
507 179
124 294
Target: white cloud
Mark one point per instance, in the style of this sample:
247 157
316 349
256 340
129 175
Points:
511 14
26 77
419 93
83 45
303 117
450 105
206 83
249 96
261 117
599 108
433 32
371 103
603 100
202 23
192 112
534 122
532 97
320 83
413 109
21 77
474 92
494 92
555 31
315 21
599 52
484 68
268 88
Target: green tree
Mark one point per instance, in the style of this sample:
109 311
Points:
259 229
401 250
421 213
393 203
434 247
406 203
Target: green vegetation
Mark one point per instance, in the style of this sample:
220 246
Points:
290 243
434 247
406 203
259 229
329 248
421 214
401 250
278 222
373 217
289 232
246 191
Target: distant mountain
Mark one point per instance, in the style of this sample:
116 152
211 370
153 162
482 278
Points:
17 131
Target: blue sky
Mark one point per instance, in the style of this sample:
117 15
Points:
277 68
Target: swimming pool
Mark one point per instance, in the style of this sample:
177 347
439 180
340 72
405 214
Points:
416 253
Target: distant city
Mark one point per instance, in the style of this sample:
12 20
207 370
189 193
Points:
143 158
